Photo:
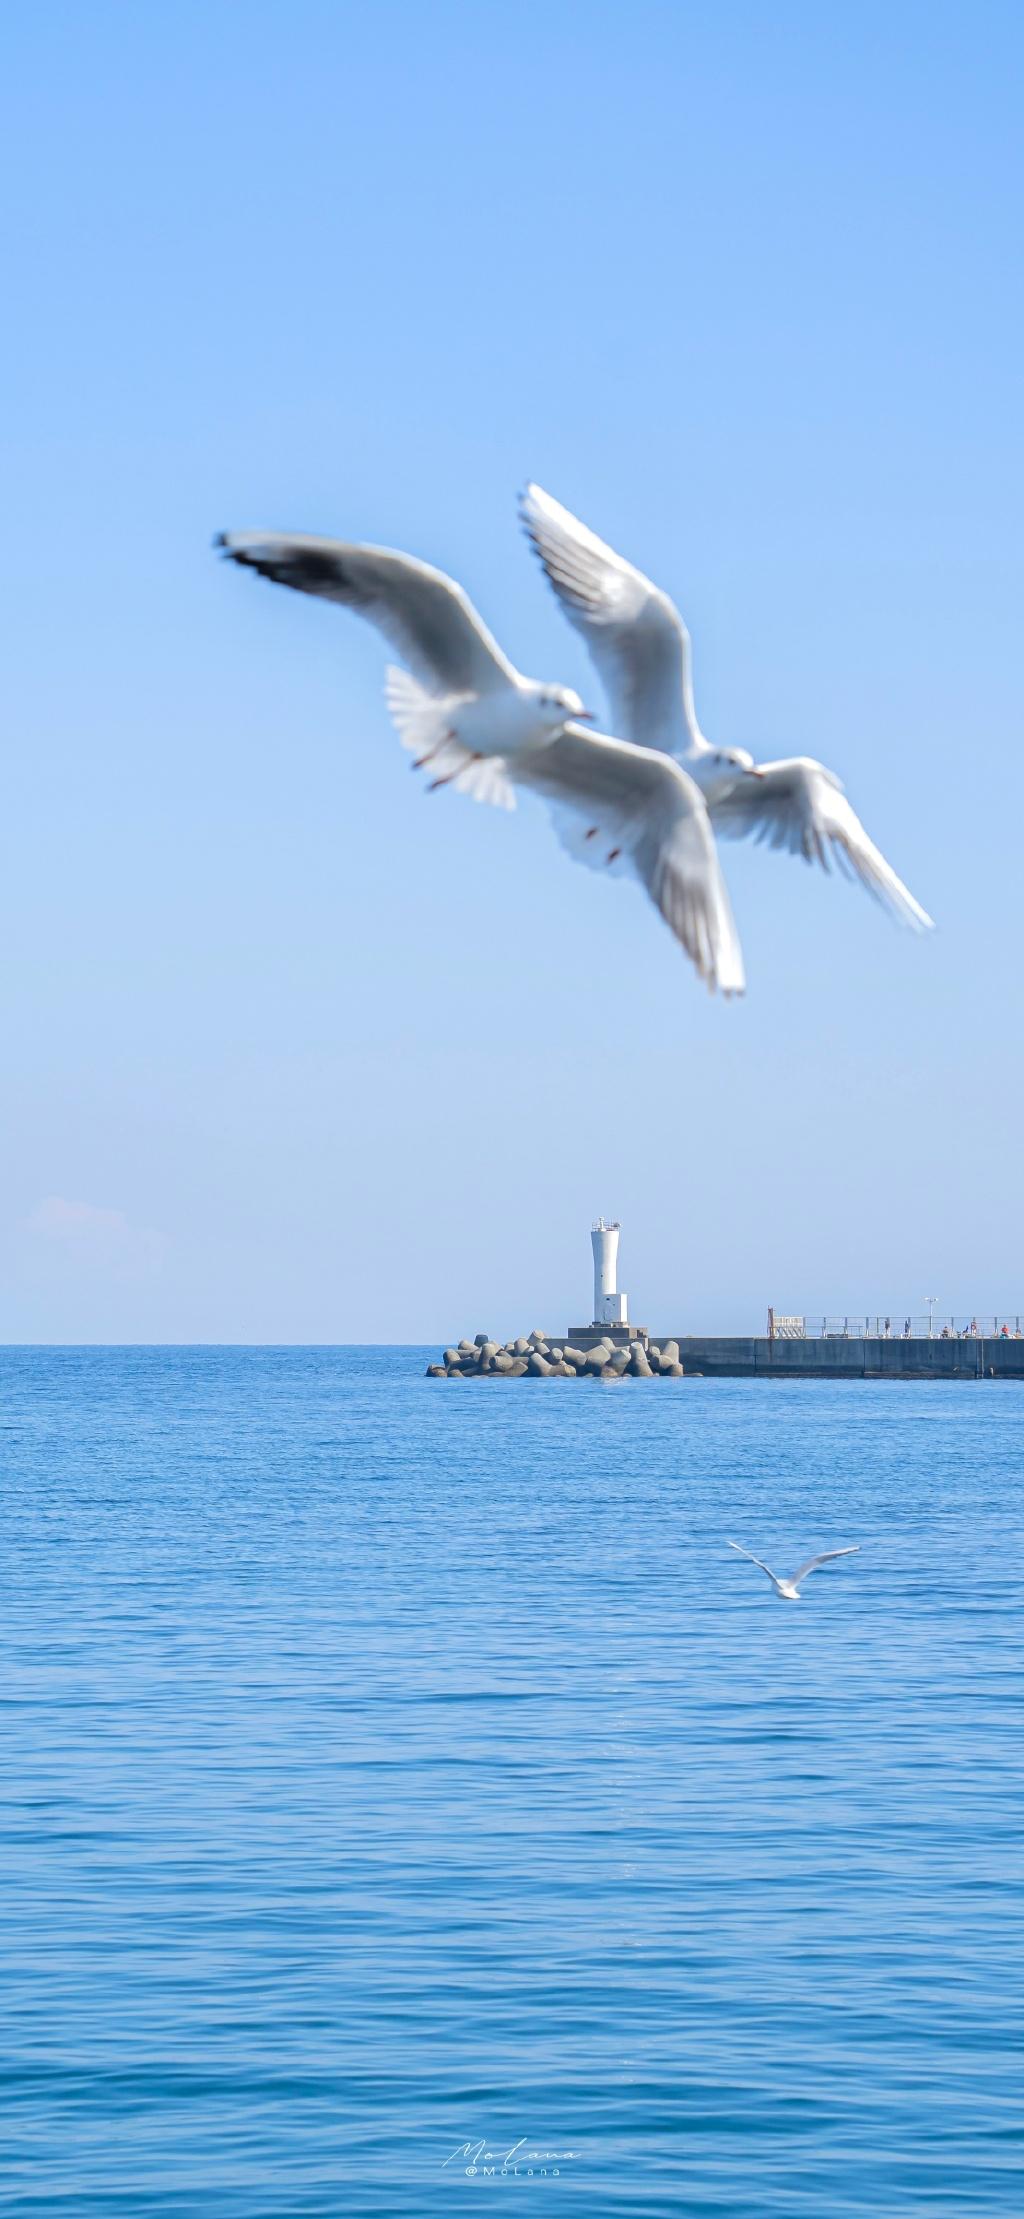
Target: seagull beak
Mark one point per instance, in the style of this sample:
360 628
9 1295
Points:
584 716
753 771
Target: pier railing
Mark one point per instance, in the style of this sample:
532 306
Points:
959 1327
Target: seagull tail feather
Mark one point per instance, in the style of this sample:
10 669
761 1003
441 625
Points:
422 721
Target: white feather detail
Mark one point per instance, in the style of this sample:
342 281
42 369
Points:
423 723
420 718
593 844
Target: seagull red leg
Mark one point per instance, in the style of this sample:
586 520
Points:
446 781
432 751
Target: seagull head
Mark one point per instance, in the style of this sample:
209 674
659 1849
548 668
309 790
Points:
559 703
737 758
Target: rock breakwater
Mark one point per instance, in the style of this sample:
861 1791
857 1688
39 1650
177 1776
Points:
535 1356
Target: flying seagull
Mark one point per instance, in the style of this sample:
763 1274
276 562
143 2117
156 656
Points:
641 649
789 1589
463 708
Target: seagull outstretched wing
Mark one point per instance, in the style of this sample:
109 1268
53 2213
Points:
633 805
827 1557
425 617
635 636
753 1560
800 806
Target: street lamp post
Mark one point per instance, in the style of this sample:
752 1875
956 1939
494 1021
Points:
931 1300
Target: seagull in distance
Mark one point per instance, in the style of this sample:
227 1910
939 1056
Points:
788 1590
464 709
641 649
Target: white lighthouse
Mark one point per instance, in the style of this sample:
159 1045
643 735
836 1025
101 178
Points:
609 1305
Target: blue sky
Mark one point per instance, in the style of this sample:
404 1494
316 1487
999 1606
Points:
295 1053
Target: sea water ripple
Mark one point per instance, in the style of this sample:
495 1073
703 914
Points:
412 1803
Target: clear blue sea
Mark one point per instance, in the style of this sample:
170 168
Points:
397 1773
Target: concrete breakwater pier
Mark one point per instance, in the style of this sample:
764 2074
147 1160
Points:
842 1356
631 1353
